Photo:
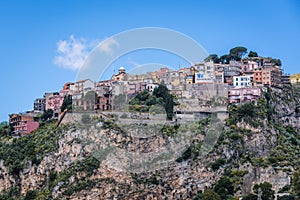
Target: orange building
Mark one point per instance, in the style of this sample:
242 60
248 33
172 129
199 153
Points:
271 76
257 77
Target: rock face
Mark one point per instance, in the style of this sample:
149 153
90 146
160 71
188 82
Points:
112 178
6 181
277 177
34 176
71 172
286 104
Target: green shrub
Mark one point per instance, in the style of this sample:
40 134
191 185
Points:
186 155
30 147
266 190
31 194
210 195
218 163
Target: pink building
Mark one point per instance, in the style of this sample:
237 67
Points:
240 95
249 65
54 101
134 88
104 95
23 124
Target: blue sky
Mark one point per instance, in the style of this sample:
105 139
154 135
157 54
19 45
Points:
32 32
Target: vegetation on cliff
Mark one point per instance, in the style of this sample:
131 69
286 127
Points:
145 101
258 134
32 147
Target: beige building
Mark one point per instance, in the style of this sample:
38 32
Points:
121 76
295 78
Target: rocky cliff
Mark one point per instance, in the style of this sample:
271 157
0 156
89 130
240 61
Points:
259 142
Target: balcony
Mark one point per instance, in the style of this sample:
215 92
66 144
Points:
236 93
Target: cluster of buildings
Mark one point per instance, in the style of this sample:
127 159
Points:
236 82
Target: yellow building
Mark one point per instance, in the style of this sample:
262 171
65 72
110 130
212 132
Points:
295 78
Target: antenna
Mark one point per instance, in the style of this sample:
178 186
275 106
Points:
179 65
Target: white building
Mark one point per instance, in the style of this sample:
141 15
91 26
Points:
249 65
151 86
82 87
205 72
203 78
241 81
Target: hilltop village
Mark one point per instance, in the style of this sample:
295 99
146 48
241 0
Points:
226 128
214 82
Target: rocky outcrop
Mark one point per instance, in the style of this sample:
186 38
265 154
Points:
134 166
6 181
286 103
114 178
278 177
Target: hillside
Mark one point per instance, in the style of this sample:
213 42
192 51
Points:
258 146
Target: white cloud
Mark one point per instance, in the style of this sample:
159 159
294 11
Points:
72 53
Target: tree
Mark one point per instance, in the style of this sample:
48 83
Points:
216 165
266 190
275 61
296 182
250 197
224 187
5 128
67 103
143 96
151 101
31 194
185 155
224 59
247 110
143 100
252 54
210 195
162 92
237 53
169 106
48 114
213 57
3 124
